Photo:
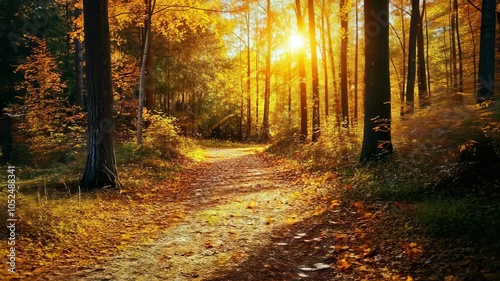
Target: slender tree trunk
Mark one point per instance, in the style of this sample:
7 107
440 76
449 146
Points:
453 48
316 130
265 135
302 75
410 85
100 170
459 45
343 62
403 31
142 77
355 118
334 76
486 76
249 96
447 58
377 131
325 56
427 51
78 66
422 73
473 40
149 74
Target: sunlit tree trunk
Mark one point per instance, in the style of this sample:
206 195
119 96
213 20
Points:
403 47
316 130
453 42
343 62
324 56
412 50
355 117
249 96
421 70
473 40
302 75
100 170
424 8
486 76
459 46
377 134
265 135
142 77
334 76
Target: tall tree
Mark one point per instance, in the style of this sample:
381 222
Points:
334 73
316 130
356 55
265 135
144 69
78 62
302 75
324 55
459 46
343 62
486 71
421 69
377 131
249 96
412 55
100 170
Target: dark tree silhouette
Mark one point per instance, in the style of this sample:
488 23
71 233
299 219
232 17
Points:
314 71
302 75
487 52
377 134
100 170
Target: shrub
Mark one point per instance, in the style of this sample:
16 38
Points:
161 136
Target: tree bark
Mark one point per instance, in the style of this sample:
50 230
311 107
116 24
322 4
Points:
324 57
302 75
78 66
249 96
459 46
377 135
412 50
316 129
422 71
356 54
334 76
100 170
486 71
265 134
343 63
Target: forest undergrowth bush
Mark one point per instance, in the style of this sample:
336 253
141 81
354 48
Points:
445 162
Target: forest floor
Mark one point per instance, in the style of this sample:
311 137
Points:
241 214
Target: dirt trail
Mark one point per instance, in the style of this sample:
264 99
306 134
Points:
233 202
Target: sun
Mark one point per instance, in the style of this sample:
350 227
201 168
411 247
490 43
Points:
295 41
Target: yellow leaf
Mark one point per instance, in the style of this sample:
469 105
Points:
342 264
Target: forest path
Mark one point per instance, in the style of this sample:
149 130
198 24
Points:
233 201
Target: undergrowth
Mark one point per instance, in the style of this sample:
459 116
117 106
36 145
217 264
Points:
445 163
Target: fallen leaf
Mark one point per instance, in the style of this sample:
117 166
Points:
342 264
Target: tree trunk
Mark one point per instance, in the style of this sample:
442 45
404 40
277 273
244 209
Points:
453 41
78 66
377 134
403 47
486 76
316 130
412 50
343 63
355 117
459 46
422 71
142 78
100 170
334 77
473 40
427 51
249 96
324 57
265 135
149 73
302 75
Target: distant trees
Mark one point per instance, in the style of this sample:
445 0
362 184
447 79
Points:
100 170
377 131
